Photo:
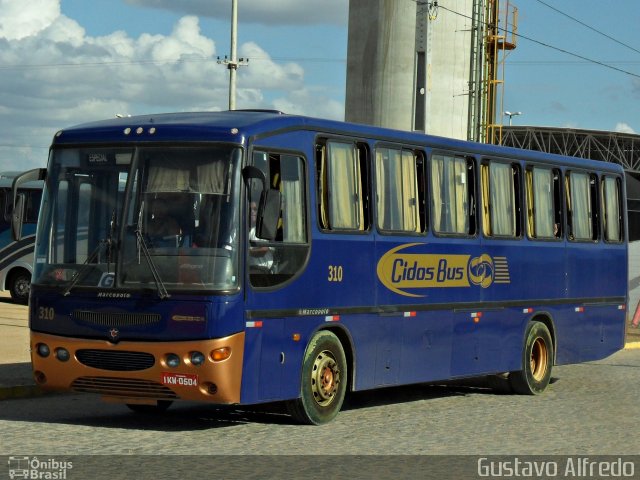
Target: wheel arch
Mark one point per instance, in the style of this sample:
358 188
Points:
11 274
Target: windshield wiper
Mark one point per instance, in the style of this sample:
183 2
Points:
142 246
109 240
108 243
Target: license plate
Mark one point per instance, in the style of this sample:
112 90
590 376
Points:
179 379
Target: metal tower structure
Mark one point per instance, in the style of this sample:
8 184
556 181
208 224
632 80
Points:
429 66
622 148
500 39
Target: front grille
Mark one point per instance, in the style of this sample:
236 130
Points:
116 319
122 387
115 360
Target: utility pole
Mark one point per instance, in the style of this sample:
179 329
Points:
233 63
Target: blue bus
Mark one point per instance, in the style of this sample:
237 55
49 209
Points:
244 257
16 258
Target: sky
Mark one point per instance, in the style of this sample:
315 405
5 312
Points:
64 62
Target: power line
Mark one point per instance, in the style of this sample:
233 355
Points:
576 63
558 49
588 26
117 63
8 145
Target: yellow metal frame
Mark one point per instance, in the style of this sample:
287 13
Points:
500 40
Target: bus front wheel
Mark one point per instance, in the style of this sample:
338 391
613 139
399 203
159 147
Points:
324 381
537 361
19 286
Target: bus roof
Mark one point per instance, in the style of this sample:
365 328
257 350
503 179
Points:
237 126
6 181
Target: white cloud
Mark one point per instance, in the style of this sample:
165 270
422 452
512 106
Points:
263 72
20 19
311 102
184 40
622 127
55 74
271 12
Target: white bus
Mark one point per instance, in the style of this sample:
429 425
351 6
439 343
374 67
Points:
16 258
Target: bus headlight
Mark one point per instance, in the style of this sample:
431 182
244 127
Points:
172 360
43 350
62 354
197 358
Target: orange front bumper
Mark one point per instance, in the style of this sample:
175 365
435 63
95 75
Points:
137 372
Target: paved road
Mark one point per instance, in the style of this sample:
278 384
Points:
14 337
591 409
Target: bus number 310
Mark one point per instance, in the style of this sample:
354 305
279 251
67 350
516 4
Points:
335 273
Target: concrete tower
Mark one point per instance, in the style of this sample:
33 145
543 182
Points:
409 63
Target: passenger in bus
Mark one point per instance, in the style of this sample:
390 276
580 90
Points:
163 230
260 256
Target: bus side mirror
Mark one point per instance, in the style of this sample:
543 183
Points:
254 173
16 217
269 206
19 200
268 214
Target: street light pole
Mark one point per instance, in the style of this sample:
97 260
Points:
511 115
233 63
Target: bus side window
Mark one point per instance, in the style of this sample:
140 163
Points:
32 206
501 199
343 196
4 208
544 214
452 194
273 263
582 206
399 190
611 210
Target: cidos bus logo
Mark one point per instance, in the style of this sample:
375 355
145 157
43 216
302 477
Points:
481 270
401 269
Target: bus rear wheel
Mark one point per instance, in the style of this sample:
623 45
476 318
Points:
537 361
19 285
324 381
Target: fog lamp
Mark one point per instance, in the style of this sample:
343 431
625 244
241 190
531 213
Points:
62 354
172 360
197 358
43 350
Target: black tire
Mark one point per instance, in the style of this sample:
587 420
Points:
19 286
324 381
537 361
160 407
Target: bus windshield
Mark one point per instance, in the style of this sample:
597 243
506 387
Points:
162 218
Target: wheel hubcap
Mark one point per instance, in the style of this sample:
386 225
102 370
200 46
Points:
22 288
539 359
325 378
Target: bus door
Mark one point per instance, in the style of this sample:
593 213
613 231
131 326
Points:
277 247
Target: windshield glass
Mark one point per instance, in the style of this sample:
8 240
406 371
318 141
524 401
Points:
161 218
